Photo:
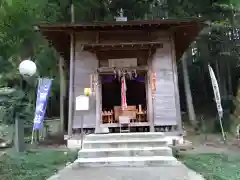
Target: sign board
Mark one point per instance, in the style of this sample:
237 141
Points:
82 103
121 63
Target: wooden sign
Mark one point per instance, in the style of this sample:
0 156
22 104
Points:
82 103
121 63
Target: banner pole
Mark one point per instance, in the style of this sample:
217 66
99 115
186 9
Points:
223 133
81 131
32 135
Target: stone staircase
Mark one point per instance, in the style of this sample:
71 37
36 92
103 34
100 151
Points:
126 149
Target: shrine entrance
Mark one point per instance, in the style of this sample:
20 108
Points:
136 101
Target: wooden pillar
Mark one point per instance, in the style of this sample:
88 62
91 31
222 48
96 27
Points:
176 89
98 103
62 93
150 106
71 74
177 98
71 83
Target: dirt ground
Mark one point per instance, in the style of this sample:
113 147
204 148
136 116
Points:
213 143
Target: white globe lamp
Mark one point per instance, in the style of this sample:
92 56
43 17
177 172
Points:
27 68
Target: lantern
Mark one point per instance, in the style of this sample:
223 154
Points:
27 68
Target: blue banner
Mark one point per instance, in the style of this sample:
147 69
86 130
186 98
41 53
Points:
44 85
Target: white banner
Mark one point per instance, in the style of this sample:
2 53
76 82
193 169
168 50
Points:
216 91
217 98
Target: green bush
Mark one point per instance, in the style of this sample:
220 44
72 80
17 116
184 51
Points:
33 165
14 102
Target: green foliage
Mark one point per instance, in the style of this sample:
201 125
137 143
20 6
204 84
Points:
214 166
14 103
33 165
18 39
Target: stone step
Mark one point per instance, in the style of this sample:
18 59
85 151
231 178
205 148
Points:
131 143
128 161
123 136
125 152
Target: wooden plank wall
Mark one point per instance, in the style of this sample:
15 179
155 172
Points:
164 103
85 64
165 110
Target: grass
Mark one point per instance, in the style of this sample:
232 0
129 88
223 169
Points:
214 166
33 165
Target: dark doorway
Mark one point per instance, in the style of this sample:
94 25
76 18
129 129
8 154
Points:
111 92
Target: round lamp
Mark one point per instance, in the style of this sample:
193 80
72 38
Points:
27 68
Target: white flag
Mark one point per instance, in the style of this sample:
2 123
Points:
217 98
216 91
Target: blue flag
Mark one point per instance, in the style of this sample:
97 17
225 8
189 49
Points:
44 85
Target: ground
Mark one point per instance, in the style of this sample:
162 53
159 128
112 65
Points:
214 166
37 165
210 157
128 173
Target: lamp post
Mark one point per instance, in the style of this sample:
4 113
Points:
27 68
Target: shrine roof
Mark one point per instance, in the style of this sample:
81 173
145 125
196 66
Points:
113 25
184 31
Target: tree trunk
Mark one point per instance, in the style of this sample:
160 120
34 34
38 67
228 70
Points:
202 76
230 92
188 94
217 72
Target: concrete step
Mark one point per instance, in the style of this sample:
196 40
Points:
131 143
128 161
125 152
123 136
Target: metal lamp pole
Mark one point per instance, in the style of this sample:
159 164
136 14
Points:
27 68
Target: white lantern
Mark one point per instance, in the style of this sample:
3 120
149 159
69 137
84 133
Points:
27 68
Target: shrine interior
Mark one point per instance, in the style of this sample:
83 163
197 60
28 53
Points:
135 96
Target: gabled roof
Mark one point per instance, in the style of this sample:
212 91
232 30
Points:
184 31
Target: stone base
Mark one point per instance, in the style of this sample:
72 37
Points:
75 142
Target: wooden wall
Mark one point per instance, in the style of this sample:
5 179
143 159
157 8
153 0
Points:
85 65
165 99
166 110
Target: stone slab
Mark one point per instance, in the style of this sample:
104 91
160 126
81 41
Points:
124 136
180 172
127 161
75 143
130 143
125 152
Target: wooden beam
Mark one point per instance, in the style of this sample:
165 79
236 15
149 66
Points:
122 46
137 43
97 49
107 70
